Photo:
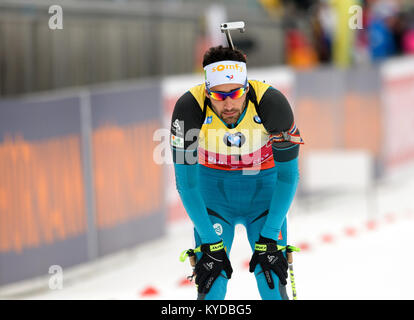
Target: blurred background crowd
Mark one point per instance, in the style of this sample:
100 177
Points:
104 40
385 29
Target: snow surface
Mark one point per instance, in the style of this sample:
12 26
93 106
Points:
359 247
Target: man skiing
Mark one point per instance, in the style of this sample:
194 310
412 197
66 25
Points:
235 148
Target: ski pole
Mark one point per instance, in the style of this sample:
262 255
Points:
289 250
289 256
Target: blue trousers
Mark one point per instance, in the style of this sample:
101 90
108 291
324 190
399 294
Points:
233 198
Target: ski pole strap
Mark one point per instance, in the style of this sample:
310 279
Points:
189 252
290 248
271 247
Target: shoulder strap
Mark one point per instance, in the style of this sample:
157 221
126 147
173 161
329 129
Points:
202 101
253 98
206 101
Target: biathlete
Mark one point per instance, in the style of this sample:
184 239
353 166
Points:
235 148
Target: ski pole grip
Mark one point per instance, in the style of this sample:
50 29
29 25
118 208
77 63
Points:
193 261
192 257
289 257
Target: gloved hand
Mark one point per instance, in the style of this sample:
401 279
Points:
209 267
270 258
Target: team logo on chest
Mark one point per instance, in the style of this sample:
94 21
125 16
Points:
208 120
257 119
234 139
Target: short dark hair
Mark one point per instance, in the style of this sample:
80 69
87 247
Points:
220 53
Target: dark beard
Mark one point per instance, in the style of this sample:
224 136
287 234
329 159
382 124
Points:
235 117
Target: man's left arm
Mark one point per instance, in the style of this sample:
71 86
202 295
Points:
277 117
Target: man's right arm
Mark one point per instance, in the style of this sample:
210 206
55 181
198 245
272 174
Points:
186 123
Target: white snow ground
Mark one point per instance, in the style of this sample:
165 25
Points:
375 261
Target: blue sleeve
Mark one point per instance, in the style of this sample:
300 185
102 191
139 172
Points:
284 191
186 177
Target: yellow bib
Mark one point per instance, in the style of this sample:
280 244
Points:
247 146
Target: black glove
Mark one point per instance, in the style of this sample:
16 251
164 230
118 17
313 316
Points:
270 258
208 268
